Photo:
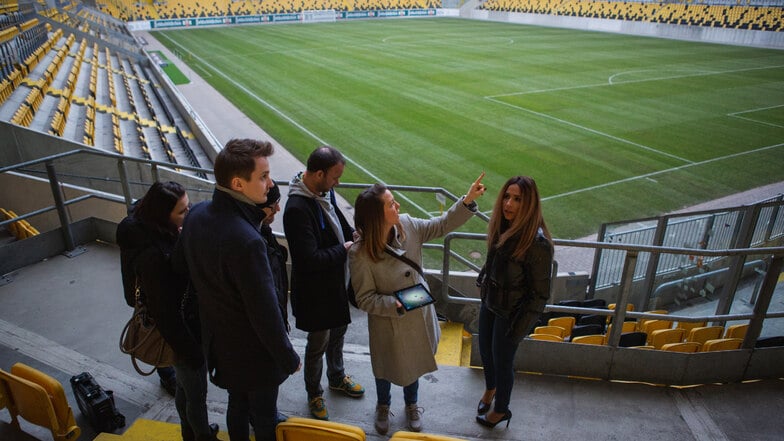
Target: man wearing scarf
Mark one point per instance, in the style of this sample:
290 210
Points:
319 238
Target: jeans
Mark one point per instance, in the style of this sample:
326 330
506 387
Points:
383 392
261 404
498 353
191 401
329 342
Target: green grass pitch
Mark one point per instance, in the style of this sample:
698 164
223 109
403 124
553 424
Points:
611 127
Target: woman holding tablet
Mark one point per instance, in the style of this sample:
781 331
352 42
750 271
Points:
514 286
385 266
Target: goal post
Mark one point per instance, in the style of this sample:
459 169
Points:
316 16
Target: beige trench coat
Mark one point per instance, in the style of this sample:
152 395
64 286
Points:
402 346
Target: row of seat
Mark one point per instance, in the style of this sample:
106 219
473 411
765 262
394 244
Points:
38 398
736 16
20 229
219 8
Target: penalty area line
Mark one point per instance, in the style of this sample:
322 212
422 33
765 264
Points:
661 172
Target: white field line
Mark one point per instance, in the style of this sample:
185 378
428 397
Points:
291 120
660 172
588 129
737 115
611 82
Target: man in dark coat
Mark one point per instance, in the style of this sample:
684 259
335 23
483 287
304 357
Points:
319 238
243 332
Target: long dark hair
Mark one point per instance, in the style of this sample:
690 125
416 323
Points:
154 209
369 221
526 223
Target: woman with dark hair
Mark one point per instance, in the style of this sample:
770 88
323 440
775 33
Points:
146 239
514 286
388 258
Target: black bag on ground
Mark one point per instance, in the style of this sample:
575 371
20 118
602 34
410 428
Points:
96 404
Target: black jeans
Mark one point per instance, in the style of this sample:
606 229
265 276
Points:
498 353
191 401
262 404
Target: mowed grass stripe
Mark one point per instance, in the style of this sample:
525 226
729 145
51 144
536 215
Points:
408 99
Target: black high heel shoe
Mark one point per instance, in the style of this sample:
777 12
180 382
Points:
482 419
483 407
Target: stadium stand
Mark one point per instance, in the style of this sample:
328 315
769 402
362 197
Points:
764 18
66 72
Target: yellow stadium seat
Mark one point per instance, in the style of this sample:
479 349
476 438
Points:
567 323
39 399
688 326
595 339
661 337
654 325
412 436
552 330
546 337
704 333
688 346
306 429
736 331
722 344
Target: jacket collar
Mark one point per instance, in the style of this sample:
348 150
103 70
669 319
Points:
246 208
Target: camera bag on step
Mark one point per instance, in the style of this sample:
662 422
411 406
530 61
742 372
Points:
96 404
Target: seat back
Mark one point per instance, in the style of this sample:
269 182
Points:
648 326
626 328
688 346
412 436
736 331
595 339
306 429
770 342
40 399
567 323
581 330
662 337
630 339
592 319
704 333
688 326
546 337
552 330
722 344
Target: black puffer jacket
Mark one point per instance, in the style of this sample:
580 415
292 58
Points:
514 289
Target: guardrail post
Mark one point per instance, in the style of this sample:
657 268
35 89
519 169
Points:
627 281
763 302
124 183
65 223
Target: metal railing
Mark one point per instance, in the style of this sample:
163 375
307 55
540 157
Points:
631 256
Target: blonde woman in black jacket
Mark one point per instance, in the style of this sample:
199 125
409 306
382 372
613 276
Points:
514 286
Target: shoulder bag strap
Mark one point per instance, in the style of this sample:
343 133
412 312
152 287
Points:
406 260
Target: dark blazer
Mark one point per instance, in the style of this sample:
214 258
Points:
318 282
145 256
243 332
518 289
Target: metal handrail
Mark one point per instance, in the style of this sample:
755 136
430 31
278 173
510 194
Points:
619 313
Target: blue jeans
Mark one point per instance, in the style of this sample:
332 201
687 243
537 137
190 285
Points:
383 392
498 353
261 404
329 342
191 400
